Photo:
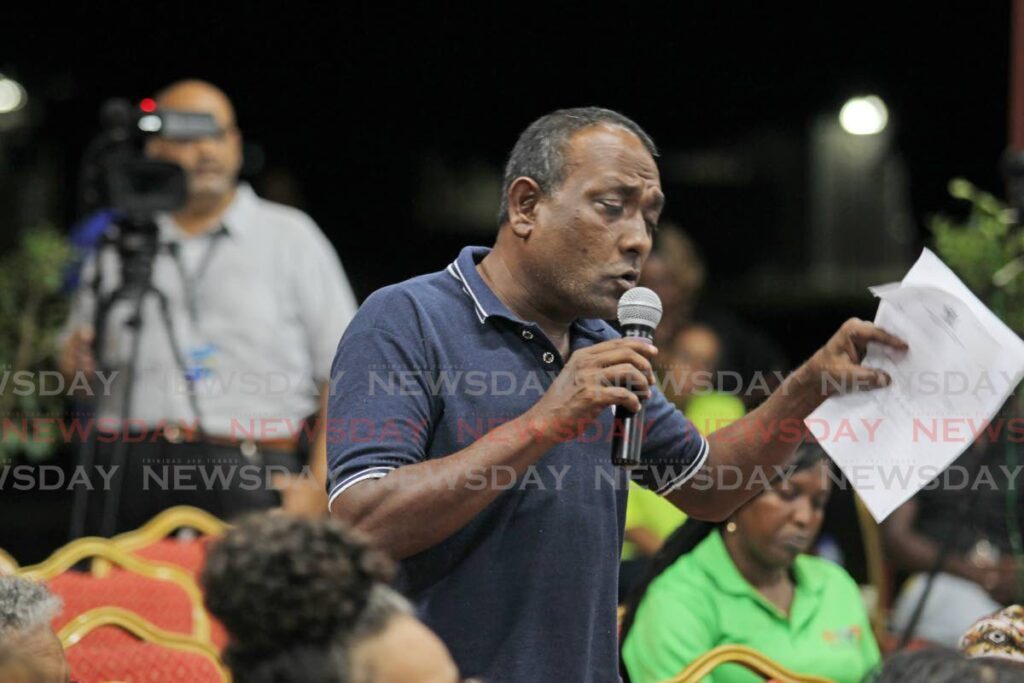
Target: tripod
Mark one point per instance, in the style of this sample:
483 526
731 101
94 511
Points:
137 244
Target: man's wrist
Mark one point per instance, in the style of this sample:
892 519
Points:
804 386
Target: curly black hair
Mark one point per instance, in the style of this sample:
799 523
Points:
278 582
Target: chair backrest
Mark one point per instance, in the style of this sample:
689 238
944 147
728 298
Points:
149 653
85 548
152 539
746 657
879 571
166 523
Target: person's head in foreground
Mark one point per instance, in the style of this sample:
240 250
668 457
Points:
16 667
941 665
26 610
749 582
305 600
997 636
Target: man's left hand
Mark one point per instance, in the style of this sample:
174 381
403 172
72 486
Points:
836 365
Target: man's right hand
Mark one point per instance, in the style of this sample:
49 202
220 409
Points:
615 372
76 355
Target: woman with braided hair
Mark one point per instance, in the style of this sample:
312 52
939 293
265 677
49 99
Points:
307 600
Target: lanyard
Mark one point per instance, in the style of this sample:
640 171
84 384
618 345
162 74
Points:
190 282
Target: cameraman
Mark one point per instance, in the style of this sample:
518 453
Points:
257 301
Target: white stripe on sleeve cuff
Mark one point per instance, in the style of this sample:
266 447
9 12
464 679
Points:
688 473
348 482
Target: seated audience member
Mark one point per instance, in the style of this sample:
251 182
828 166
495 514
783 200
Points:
16 667
979 574
997 636
750 583
942 665
306 600
676 272
26 610
691 381
688 381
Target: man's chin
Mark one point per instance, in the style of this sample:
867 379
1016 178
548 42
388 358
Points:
209 190
603 308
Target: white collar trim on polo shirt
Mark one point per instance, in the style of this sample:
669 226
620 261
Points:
456 272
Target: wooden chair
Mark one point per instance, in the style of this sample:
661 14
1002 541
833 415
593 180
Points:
149 653
163 593
743 656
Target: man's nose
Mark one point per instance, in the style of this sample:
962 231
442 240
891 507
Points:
637 237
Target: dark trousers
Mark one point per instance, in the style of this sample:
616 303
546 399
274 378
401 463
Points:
156 475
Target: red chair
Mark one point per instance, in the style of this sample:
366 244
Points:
164 594
154 541
110 644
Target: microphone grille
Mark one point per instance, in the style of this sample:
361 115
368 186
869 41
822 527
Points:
640 306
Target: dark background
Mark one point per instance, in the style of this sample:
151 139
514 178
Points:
358 101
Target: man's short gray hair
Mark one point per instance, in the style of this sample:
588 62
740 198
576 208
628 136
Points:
25 605
539 152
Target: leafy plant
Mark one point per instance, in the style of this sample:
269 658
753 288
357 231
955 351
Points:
986 249
32 311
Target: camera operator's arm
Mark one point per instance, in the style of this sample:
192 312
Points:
75 344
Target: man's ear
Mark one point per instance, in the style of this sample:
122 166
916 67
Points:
523 195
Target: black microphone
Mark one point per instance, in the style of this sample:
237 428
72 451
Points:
639 314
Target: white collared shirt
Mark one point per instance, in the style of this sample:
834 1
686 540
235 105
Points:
271 301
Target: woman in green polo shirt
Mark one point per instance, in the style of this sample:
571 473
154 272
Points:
748 582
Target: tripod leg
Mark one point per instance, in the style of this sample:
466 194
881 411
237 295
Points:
113 500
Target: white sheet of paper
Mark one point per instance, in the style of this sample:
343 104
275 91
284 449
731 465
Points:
962 364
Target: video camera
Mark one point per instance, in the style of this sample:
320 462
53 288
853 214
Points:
115 171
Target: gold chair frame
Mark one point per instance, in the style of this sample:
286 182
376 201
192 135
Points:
166 523
160 527
91 547
746 657
85 623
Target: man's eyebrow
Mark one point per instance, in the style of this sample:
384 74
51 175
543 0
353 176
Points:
627 189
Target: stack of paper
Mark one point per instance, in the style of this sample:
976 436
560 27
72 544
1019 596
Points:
961 366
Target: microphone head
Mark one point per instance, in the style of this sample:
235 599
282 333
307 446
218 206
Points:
640 306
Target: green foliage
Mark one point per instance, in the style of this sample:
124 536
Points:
986 250
32 311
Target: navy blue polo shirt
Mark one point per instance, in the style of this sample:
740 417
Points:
527 590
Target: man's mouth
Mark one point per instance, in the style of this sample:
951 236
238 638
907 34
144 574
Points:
630 276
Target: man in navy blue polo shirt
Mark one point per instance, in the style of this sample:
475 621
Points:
469 420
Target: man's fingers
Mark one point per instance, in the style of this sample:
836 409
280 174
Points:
863 332
620 396
626 354
868 378
640 346
626 375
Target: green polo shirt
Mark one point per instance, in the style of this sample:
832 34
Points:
702 601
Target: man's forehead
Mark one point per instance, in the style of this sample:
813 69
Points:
200 100
613 152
